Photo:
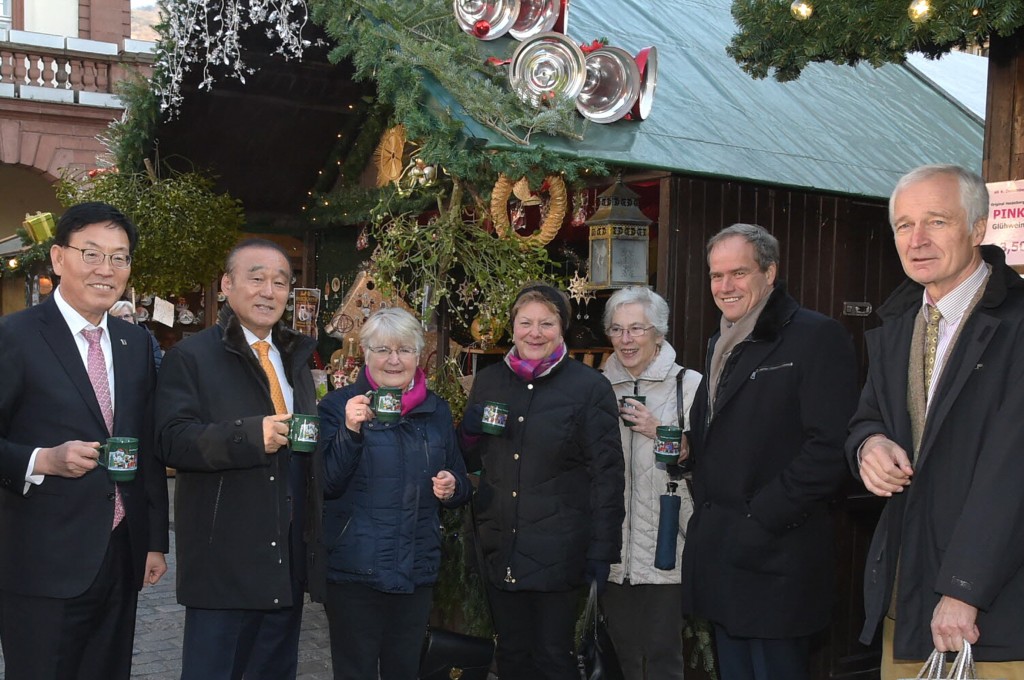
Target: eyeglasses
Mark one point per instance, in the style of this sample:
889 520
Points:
636 331
94 258
402 352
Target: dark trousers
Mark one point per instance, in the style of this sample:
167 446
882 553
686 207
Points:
646 625
536 634
761 659
88 637
229 644
374 632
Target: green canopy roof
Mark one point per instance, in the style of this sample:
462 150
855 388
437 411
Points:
849 130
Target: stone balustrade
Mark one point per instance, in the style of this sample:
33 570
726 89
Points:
68 70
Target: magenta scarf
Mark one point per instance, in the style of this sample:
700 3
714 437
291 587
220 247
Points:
528 369
411 397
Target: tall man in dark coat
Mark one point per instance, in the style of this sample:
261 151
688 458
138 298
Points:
74 546
767 429
239 499
940 433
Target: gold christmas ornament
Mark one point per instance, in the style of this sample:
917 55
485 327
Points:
389 155
557 206
801 10
919 11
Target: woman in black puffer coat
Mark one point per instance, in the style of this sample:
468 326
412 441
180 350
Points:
549 507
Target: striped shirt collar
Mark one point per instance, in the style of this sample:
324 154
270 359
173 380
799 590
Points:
955 303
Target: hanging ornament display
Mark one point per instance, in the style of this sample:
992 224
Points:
581 294
557 207
579 209
518 216
362 241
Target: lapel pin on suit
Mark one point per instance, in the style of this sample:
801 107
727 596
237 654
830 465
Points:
124 342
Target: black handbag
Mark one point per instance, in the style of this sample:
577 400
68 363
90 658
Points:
454 656
596 658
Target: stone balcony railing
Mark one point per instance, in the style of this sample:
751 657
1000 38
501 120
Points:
57 69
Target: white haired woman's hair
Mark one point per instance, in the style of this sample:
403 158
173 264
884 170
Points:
655 306
122 308
392 324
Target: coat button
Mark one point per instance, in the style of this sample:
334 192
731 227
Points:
238 423
273 543
271 477
521 419
276 600
514 494
515 456
530 386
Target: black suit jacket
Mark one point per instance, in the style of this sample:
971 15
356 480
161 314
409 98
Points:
53 538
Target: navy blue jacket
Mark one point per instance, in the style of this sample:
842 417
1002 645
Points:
382 524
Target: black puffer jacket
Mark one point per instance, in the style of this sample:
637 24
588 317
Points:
551 487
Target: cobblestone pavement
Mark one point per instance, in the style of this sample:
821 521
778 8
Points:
161 621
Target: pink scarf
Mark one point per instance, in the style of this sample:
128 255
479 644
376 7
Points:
411 397
528 369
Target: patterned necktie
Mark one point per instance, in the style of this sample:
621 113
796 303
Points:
263 349
96 365
931 344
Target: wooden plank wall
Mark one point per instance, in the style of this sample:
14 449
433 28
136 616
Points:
834 250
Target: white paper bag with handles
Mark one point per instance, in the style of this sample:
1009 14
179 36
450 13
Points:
962 669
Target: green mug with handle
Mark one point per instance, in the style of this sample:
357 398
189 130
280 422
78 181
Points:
120 455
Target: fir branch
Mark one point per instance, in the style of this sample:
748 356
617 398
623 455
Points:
771 42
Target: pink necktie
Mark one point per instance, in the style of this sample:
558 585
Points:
97 367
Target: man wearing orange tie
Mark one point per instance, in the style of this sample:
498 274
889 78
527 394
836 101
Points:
224 399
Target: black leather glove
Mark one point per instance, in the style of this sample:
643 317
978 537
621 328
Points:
472 420
597 572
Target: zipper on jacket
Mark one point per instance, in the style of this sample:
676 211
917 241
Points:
766 369
508 575
216 507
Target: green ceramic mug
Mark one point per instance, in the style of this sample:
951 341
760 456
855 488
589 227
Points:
622 402
303 432
495 417
386 403
120 455
668 442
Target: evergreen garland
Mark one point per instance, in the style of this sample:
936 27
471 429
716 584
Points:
771 41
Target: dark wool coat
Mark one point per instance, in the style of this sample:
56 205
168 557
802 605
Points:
234 505
958 529
759 554
382 521
551 487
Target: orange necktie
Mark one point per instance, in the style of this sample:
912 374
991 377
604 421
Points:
263 349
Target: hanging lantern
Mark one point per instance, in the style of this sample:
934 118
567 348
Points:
619 237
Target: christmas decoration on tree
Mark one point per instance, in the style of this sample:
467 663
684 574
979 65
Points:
771 41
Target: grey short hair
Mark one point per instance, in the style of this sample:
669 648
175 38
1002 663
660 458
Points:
392 324
766 246
973 192
655 306
120 307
